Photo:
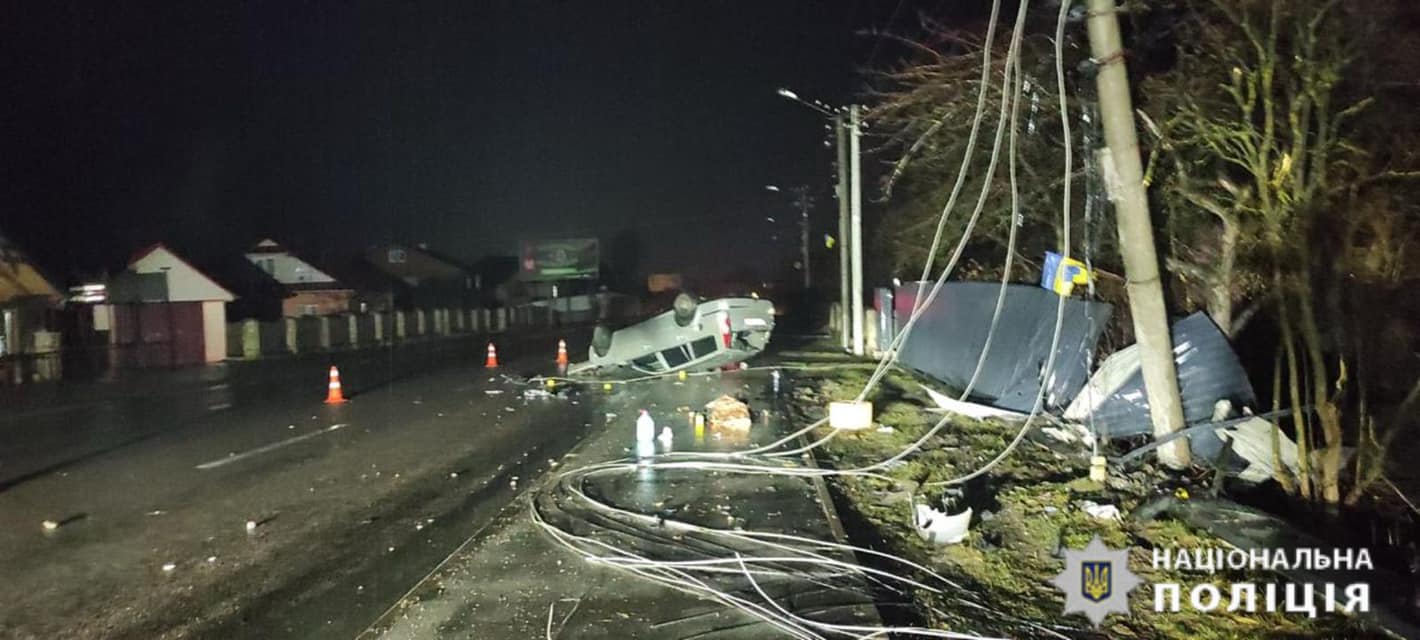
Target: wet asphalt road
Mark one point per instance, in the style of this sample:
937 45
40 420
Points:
155 478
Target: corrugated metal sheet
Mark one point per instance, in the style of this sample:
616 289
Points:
948 339
1208 371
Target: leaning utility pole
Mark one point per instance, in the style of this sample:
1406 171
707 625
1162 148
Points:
1136 234
855 244
840 133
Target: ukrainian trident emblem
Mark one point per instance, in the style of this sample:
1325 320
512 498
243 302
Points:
1095 580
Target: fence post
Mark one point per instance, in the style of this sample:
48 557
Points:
291 344
870 331
251 339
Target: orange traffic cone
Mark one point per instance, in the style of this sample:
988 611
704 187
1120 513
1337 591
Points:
562 353
492 361
333 394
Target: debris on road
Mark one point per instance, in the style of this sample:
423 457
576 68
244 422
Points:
645 427
725 412
50 525
167 568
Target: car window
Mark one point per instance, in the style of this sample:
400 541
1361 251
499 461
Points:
704 346
649 362
676 356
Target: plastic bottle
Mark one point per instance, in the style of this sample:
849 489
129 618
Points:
645 428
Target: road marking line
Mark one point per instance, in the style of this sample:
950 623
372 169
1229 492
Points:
267 448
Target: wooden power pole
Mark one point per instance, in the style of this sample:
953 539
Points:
1136 232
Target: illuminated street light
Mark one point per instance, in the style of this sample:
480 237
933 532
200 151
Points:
847 128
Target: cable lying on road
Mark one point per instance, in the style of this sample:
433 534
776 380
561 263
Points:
720 563
712 562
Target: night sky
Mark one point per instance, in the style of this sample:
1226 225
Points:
333 126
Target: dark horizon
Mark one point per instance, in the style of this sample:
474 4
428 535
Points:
467 128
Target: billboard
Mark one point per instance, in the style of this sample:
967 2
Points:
545 260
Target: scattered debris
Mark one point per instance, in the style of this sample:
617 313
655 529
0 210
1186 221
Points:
1101 511
940 528
50 525
493 392
725 412
1071 433
1208 370
1252 440
947 404
169 567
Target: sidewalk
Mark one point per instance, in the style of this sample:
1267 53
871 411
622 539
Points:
514 581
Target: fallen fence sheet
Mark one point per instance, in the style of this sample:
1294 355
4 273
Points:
948 339
1114 401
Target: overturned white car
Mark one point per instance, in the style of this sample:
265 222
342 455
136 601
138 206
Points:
691 336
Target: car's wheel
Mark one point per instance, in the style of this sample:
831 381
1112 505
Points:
684 308
601 340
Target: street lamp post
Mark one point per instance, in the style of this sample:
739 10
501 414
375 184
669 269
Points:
847 132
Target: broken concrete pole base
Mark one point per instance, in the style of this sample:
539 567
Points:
850 415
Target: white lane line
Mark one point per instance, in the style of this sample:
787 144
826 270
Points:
267 448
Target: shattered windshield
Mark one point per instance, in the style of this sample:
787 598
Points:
710 320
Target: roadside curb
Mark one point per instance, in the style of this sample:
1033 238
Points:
835 524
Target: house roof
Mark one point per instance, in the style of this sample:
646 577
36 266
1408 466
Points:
267 245
19 277
418 263
157 247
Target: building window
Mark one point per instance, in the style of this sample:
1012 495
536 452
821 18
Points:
268 265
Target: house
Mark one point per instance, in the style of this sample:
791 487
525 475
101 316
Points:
430 279
166 312
29 345
310 291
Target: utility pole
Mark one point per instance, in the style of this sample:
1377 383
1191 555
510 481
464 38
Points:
1136 234
855 245
850 215
840 132
844 311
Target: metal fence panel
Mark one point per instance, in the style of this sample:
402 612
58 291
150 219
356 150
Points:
948 339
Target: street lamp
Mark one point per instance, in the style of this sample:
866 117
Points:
847 128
